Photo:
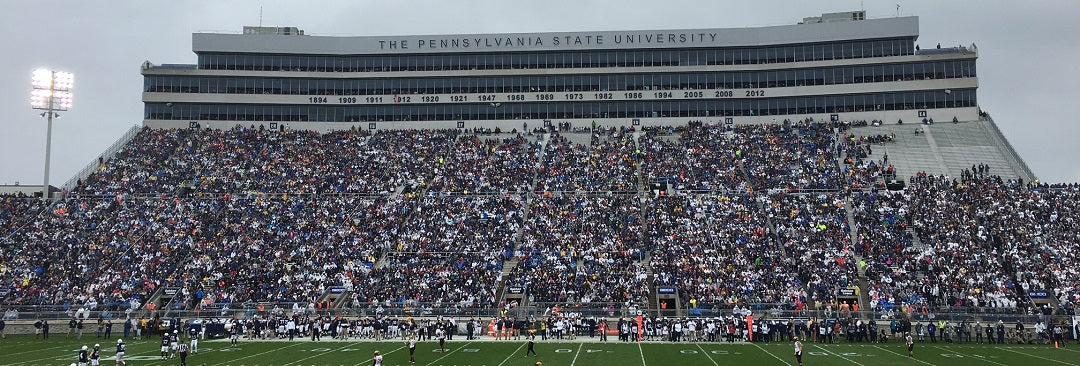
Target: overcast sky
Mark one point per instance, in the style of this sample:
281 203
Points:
1027 53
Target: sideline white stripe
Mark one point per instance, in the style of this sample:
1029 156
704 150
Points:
837 355
702 351
901 355
1036 356
770 353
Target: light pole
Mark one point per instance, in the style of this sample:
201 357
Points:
52 93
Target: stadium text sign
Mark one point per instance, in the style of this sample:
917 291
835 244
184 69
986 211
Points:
530 41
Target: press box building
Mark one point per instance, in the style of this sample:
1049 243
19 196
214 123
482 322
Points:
838 66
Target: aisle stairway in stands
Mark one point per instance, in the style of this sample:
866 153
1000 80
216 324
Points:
864 285
643 184
920 247
864 298
513 262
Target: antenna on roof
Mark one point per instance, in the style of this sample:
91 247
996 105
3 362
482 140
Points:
260 16
897 10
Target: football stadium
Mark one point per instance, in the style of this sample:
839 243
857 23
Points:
827 192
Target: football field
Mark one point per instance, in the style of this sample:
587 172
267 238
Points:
26 351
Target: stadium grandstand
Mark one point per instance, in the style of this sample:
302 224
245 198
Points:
810 169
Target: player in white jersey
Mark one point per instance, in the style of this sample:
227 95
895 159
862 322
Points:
194 337
377 360
412 348
798 350
441 336
910 345
174 344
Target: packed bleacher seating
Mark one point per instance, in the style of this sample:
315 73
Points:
860 171
716 250
887 250
813 228
791 156
960 264
16 210
481 164
756 215
452 251
699 159
583 249
605 165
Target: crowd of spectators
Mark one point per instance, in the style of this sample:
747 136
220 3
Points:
860 171
701 158
813 228
607 164
243 160
961 265
886 248
790 156
759 215
490 165
717 251
17 209
581 248
452 250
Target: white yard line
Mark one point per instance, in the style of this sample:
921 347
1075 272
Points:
260 353
512 354
643 354
837 355
1036 356
702 351
447 354
576 354
901 355
770 354
1069 350
317 354
37 350
373 358
973 357
50 357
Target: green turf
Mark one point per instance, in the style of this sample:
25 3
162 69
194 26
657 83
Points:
27 351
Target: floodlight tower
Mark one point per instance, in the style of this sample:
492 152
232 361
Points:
52 93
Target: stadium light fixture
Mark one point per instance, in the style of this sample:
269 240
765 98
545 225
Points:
51 93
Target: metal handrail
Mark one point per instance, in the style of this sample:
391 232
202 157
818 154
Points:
94 165
998 136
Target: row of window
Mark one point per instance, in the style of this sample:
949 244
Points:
555 60
613 109
561 83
